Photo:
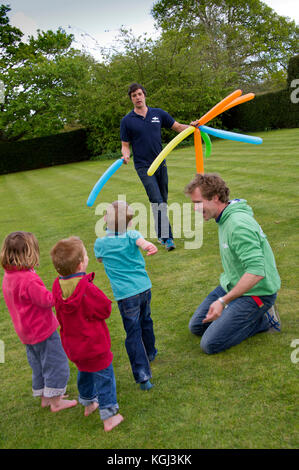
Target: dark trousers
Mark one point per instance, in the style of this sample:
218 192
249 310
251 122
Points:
156 187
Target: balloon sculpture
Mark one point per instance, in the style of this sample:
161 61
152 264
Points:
202 132
103 180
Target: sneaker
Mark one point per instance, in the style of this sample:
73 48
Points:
146 385
273 319
169 244
161 241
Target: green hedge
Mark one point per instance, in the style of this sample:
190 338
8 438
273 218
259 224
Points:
42 152
273 110
269 111
266 111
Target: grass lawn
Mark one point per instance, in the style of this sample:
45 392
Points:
242 398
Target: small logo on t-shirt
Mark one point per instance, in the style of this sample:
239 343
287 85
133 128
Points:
155 119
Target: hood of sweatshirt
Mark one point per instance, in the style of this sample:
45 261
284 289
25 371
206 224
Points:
239 206
71 304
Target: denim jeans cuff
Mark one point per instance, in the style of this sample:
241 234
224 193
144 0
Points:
109 411
37 393
87 401
53 392
48 392
143 379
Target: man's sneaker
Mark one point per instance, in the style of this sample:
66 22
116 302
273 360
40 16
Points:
169 244
146 385
161 241
273 319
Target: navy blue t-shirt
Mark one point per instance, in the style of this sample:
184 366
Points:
144 134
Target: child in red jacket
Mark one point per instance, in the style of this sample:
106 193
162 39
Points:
81 310
30 306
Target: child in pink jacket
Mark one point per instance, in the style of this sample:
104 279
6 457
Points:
30 306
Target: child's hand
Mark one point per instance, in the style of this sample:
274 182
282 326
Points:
147 246
151 249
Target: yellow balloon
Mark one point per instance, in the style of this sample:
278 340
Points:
169 147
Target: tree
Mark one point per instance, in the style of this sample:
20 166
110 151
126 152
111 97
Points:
9 37
245 35
42 80
175 75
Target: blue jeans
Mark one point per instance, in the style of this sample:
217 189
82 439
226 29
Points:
140 340
240 320
50 367
99 387
156 187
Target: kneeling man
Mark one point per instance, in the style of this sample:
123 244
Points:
243 304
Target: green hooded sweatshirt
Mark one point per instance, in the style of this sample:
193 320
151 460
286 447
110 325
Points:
244 248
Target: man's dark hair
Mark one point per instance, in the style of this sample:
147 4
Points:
136 86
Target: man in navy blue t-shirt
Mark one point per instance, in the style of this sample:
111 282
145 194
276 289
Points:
141 128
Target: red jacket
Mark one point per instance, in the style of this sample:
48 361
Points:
84 334
29 303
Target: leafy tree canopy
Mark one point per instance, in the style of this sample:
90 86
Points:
206 49
42 79
246 34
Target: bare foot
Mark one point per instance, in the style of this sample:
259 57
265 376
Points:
90 408
45 401
112 422
58 404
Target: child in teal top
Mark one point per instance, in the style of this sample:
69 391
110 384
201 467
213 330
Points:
131 286
123 262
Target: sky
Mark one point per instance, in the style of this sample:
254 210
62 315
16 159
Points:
92 21
97 22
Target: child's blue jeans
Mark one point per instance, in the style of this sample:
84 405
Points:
99 387
240 320
140 340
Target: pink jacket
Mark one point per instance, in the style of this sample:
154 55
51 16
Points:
29 304
84 334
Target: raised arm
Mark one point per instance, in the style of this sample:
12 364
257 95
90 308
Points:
177 127
147 246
